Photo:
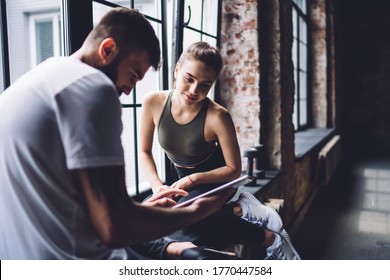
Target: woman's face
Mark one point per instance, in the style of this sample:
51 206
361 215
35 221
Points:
194 80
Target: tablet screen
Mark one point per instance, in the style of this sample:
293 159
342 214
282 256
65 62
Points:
232 184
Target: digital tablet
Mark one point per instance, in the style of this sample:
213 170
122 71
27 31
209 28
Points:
232 184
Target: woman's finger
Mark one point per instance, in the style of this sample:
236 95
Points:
167 193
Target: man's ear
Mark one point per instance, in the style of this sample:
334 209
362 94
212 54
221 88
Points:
107 50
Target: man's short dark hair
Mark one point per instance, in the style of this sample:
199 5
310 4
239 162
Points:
131 31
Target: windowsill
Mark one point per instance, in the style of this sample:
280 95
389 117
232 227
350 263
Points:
310 139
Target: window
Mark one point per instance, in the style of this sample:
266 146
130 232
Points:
30 33
45 36
200 22
300 57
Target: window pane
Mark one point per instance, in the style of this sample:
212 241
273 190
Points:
151 82
294 20
190 37
193 12
44 39
158 156
303 112
45 36
128 147
211 40
302 85
302 30
210 11
296 83
124 3
301 4
60 35
129 135
302 56
296 97
99 10
295 116
149 7
295 53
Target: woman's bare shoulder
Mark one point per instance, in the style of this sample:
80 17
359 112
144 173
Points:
217 110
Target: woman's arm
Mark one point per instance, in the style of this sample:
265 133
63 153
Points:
219 124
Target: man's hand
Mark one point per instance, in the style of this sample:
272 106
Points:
163 198
160 188
212 203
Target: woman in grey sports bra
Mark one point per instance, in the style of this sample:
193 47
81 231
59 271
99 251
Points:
199 137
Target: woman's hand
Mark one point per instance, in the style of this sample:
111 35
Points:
184 183
163 198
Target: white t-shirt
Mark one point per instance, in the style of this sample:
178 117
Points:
60 116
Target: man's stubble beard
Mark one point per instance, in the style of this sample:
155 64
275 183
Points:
111 71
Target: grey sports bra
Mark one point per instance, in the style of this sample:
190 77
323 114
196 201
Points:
184 144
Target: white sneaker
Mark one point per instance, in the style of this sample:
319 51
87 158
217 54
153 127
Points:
257 213
282 248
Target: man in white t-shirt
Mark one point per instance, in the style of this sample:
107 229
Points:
62 183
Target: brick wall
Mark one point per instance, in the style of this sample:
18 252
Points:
317 15
240 78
